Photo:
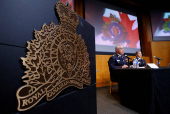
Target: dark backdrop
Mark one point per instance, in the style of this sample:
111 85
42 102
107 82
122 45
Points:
18 19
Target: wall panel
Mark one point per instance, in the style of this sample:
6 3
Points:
161 49
79 7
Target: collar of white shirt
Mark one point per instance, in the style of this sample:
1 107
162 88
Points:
138 58
119 55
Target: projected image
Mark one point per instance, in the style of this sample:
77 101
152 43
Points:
71 2
118 28
163 29
160 22
113 26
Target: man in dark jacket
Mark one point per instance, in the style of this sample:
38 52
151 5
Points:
117 61
141 61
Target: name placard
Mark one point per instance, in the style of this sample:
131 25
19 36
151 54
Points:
151 65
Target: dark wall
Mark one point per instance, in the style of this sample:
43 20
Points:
18 19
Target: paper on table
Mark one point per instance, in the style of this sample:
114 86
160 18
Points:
151 65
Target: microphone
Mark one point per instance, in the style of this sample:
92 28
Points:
127 57
157 58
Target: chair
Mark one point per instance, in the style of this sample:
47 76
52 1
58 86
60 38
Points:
112 79
111 85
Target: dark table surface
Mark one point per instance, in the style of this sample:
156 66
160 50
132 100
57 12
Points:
144 90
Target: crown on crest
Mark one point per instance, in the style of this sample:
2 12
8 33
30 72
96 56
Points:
114 18
67 16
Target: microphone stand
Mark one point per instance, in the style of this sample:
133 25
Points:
128 60
128 63
158 62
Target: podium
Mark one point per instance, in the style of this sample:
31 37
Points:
145 90
18 28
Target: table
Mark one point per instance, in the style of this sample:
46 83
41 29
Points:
146 91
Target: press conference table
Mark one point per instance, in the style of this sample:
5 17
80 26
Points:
146 91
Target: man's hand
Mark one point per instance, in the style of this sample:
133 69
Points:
124 66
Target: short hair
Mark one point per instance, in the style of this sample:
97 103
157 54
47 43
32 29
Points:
117 47
137 52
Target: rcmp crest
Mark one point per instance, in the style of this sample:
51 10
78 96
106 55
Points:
57 59
114 31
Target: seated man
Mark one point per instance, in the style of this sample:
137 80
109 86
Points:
140 60
117 61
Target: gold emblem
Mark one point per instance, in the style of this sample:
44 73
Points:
57 59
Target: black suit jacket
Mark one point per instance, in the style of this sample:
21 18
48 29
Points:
141 61
116 61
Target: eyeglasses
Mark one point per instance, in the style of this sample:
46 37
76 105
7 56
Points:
121 48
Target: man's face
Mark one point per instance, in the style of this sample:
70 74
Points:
139 54
120 50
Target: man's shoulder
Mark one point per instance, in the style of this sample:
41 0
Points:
142 59
114 56
134 58
123 56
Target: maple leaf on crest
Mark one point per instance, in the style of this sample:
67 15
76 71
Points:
133 34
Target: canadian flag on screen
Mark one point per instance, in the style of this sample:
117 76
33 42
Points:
120 28
70 2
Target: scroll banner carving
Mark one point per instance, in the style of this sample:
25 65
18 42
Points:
57 59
